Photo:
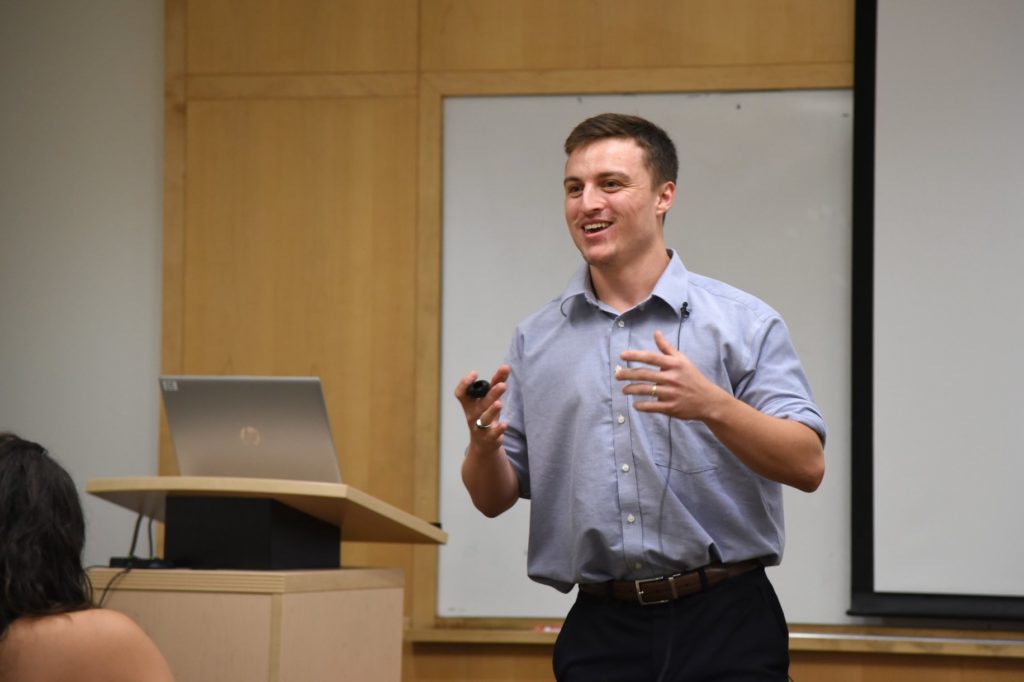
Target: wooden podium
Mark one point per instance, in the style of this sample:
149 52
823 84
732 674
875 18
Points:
278 626
362 517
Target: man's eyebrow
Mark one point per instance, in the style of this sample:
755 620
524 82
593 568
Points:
600 176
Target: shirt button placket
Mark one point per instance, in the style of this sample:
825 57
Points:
628 493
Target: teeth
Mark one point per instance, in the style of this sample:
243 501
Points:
594 227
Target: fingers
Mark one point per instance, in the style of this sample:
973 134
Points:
497 382
482 413
486 432
496 389
646 391
463 385
646 357
500 375
488 417
652 406
649 357
638 374
489 439
663 345
668 358
653 380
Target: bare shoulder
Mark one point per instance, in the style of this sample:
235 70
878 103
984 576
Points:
105 623
128 651
95 644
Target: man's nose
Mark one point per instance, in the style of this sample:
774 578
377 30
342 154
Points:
591 199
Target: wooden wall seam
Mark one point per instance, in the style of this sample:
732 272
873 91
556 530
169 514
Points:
175 155
426 503
303 86
680 79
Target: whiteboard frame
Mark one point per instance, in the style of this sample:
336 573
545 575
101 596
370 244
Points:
821 563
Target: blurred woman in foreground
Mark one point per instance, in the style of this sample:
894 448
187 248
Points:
49 629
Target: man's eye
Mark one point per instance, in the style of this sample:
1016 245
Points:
612 184
573 190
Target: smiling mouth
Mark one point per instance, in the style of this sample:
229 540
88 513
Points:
594 228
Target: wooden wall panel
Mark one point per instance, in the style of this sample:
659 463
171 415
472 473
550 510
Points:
301 36
476 662
492 35
526 663
837 667
300 259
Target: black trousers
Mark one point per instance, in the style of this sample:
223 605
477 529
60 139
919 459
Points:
735 631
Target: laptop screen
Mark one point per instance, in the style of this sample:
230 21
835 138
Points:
250 427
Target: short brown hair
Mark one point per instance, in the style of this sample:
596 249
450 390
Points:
659 151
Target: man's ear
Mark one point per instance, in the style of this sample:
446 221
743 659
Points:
666 196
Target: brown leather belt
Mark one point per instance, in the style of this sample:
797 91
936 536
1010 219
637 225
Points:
665 589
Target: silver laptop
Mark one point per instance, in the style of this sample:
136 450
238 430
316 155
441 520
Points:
250 427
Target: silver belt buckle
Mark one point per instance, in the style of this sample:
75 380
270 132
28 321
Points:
638 584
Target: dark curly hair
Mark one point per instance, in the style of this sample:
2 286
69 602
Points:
42 533
659 150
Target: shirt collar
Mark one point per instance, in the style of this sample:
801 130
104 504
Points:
672 287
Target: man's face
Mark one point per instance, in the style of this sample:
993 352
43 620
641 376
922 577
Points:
612 210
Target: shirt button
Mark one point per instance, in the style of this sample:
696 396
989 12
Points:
625 468
630 518
622 323
621 419
638 565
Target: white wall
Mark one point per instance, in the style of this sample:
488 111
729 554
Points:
80 239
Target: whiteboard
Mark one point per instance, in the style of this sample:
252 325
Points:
763 203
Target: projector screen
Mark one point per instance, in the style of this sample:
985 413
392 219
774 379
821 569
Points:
938 327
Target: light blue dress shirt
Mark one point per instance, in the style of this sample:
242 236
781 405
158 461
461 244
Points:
617 494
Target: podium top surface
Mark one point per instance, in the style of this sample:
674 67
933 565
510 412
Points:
361 517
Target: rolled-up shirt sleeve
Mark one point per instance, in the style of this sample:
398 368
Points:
512 412
775 383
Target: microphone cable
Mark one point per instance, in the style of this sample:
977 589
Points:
684 314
